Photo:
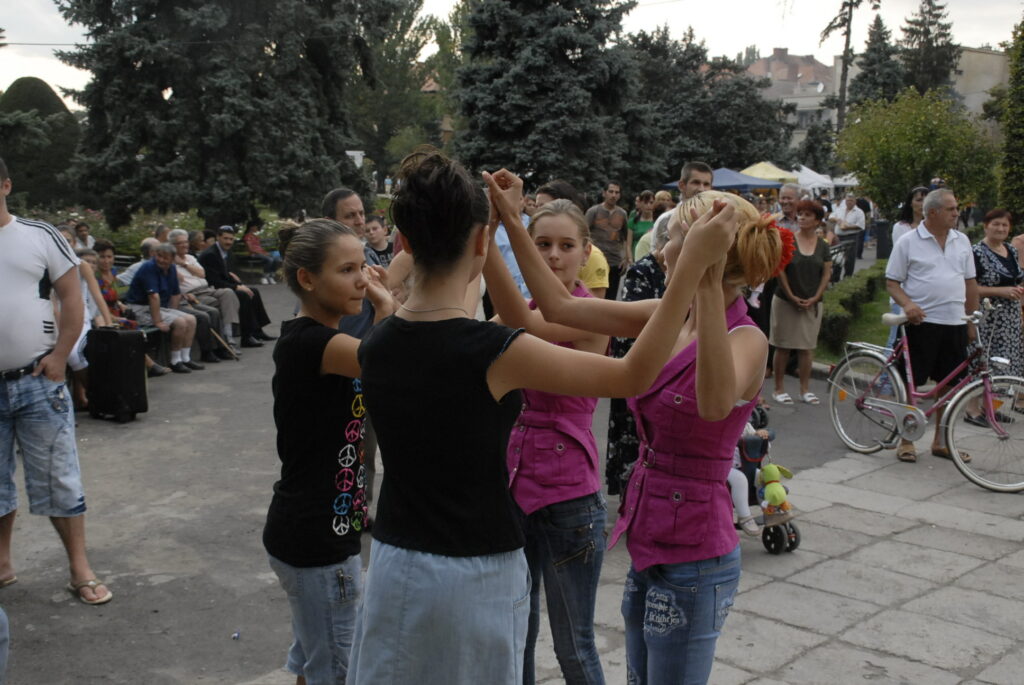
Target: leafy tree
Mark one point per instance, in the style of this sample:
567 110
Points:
1011 186
390 99
894 146
929 54
881 72
749 55
994 108
220 104
843 22
38 136
541 90
817 149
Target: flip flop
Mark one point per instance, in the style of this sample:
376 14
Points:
906 453
75 589
810 398
943 452
782 398
8 581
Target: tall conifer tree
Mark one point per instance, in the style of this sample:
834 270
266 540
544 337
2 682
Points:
929 54
1011 187
881 72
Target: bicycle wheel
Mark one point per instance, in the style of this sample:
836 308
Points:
861 375
997 451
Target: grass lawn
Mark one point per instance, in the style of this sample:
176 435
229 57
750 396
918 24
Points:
868 327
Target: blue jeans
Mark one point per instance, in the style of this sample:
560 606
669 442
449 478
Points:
323 601
674 614
36 413
5 643
565 546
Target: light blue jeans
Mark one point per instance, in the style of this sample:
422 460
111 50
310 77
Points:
428 619
674 614
36 413
565 547
5 643
323 601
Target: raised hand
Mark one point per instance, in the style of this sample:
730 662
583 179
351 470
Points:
711 235
506 191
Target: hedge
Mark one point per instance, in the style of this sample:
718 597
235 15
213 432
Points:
843 301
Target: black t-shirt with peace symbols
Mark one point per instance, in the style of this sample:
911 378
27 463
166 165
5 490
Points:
319 507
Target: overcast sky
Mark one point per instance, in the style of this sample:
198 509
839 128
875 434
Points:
726 27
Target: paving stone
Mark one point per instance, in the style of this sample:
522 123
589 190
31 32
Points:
1015 559
855 497
922 638
866 583
999 579
891 482
780 565
972 608
805 503
859 520
767 681
616 564
1006 671
759 645
750 580
914 560
970 496
614 665
950 540
856 665
608 611
839 470
831 542
803 607
966 520
721 674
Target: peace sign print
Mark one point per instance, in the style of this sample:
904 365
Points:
343 504
345 479
347 456
358 408
354 430
341 525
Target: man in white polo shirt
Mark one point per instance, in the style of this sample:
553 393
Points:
35 406
931 275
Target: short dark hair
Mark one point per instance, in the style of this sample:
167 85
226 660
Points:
647 195
103 245
209 233
436 206
4 174
80 224
329 206
307 248
998 213
811 206
690 167
611 182
560 189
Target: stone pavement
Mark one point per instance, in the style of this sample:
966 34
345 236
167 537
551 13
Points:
906 573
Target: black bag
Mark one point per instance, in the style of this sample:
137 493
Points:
117 373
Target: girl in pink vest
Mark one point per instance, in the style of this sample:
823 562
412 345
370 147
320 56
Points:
553 459
677 511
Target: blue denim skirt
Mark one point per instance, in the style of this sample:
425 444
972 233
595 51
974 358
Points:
427 619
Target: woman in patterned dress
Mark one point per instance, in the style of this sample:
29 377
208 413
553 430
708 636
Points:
999 279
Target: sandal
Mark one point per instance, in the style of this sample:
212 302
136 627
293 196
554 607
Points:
943 452
810 398
75 589
8 581
906 453
782 398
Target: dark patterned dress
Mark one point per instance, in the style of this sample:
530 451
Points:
644 281
1004 323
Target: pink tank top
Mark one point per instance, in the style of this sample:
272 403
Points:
552 455
677 507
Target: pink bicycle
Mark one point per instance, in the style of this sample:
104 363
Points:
871 408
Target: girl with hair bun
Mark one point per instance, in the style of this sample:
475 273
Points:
677 511
319 508
447 590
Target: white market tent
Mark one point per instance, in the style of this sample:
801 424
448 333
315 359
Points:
846 181
812 180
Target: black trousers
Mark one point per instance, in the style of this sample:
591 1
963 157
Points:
252 317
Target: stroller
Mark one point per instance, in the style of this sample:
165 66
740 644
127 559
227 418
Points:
754 453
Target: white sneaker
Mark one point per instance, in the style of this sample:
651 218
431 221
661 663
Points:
749 526
264 280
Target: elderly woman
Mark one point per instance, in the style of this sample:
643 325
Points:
796 307
999 279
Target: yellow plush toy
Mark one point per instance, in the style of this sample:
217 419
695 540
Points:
773 494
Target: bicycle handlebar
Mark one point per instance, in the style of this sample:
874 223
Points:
890 319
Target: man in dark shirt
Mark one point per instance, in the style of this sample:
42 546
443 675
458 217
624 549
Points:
216 260
154 296
607 223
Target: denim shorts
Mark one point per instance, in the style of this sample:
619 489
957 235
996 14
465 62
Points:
36 413
428 619
323 600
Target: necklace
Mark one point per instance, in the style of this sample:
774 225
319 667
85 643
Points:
433 309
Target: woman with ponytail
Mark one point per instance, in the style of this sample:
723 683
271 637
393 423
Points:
677 512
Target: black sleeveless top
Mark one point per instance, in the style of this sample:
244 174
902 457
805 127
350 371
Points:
442 436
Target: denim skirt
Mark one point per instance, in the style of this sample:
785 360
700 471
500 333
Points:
427 619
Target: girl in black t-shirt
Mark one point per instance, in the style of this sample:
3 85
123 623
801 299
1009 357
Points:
447 591
319 507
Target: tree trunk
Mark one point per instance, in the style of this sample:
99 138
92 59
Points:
844 75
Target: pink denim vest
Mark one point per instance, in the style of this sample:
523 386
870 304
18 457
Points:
677 507
552 455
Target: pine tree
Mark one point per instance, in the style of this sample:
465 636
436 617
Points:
881 72
219 104
929 54
1011 186
843 22
542 92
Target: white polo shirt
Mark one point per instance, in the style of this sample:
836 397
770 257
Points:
186 280
854 215
934 279
33 255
